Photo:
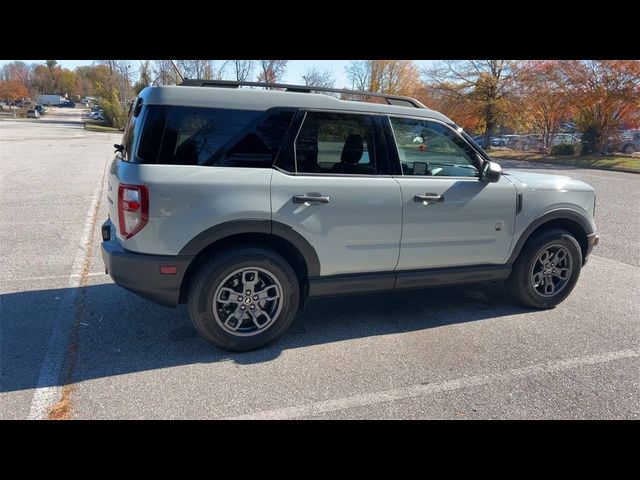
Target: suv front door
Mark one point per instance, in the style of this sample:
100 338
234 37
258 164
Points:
450 217
332 185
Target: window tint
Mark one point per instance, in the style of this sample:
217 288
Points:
259 145
218 137
429 148
336 143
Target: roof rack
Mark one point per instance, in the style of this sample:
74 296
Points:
398 100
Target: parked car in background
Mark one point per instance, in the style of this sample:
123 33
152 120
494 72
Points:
503 140
525 143
564 139
40 109
627 141
68 104
99 115
479 139
33 113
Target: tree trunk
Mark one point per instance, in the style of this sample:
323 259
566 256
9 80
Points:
490 125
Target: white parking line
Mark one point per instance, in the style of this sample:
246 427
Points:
437 387
47 389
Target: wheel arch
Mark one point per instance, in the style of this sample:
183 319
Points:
569 220
265 233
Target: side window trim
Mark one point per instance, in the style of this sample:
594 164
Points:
295 141
394 147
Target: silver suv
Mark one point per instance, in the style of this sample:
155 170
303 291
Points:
243 203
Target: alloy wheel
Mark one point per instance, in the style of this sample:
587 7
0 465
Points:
248 301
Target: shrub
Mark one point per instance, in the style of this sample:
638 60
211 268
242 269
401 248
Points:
564 149
115 114
591 137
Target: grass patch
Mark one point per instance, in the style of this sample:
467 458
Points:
606 162
100 127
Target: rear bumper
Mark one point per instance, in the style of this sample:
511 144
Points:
592 240
140 273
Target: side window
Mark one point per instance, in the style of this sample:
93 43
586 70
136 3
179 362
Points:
193 136
336 143
212 136
431 149
259 145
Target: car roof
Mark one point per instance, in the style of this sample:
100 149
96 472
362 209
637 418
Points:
260 100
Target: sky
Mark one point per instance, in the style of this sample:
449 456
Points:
294 72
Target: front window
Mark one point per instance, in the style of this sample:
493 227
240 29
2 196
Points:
431 149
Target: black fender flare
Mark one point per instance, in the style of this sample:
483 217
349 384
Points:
559 214
269 227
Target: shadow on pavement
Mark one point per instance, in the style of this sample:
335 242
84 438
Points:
121 333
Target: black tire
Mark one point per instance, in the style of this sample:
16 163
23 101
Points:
525 147
209 278
628 149
520 283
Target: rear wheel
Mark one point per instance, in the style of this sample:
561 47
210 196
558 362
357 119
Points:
628 149
244 299
547 269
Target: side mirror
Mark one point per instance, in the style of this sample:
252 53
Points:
491 172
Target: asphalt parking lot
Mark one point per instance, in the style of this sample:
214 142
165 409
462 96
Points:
455 353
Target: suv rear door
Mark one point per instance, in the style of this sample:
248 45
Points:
450 217
332 184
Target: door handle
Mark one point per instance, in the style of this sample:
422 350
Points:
429 197
311 197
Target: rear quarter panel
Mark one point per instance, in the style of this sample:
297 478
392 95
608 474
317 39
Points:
185 200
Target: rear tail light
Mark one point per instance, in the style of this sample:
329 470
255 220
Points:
133 209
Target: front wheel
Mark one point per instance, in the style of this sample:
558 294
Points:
546 270
244 299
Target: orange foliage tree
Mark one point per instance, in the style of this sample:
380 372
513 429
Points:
541 99
605 95
12 90
485 85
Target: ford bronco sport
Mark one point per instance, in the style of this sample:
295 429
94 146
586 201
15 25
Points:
245 202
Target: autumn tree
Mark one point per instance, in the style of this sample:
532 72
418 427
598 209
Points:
541 98
243 69
396 77
19 71
488 83
144 76
12 90
462 110
318 78
271 70
605 94
164 73
93 77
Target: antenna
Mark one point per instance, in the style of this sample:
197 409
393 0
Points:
177 71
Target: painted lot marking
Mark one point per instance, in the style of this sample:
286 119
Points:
47 389
384 396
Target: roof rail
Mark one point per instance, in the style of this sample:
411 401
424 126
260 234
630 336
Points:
398 100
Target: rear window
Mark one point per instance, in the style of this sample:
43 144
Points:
218 137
